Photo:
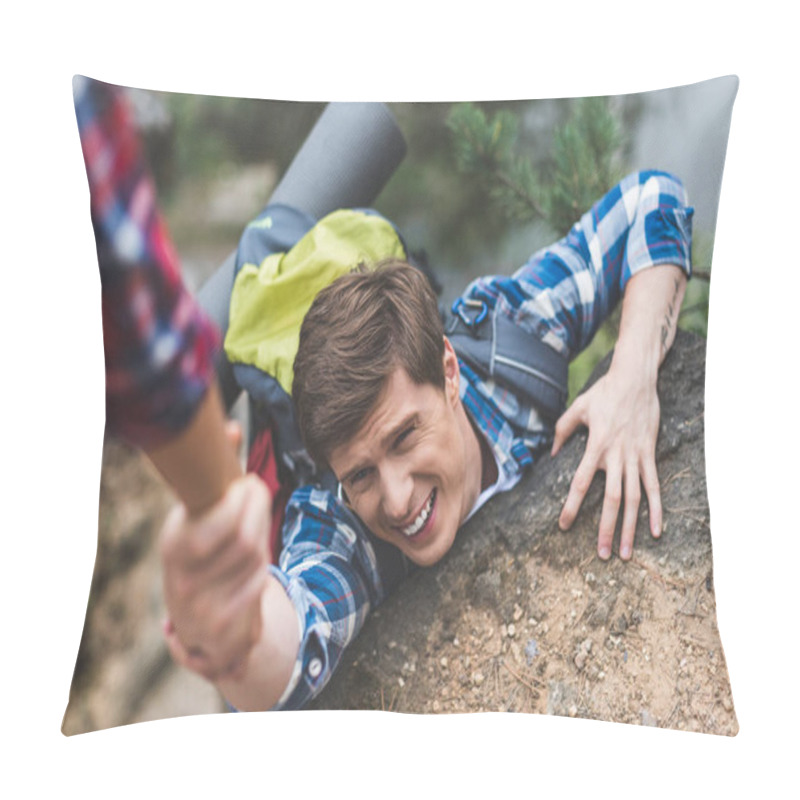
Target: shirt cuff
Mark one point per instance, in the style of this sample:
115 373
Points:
312 667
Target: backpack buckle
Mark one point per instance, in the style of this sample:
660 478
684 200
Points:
460 305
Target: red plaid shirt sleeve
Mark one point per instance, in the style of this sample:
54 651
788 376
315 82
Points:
159 346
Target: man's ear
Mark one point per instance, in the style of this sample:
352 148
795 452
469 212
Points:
452 373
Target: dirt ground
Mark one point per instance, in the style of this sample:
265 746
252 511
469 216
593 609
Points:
619 642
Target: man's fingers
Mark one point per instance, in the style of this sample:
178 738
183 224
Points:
199 544
189 658
233 432
653 491
230 633
632 499
608 517
256 519
581 482
567 424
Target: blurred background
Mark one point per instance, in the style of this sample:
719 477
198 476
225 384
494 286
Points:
483 186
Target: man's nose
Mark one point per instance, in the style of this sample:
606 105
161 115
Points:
397 490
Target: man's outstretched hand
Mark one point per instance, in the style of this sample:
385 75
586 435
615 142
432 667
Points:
622 414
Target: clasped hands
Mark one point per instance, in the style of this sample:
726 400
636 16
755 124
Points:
215 571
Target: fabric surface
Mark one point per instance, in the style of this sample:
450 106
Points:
159 346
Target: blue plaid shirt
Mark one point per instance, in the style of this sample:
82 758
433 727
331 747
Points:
328 566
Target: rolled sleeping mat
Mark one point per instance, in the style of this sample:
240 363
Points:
346 160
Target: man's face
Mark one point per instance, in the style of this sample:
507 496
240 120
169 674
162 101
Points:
412 473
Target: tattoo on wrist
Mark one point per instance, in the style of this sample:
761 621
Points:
669 318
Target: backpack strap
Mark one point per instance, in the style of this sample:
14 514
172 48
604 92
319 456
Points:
512 356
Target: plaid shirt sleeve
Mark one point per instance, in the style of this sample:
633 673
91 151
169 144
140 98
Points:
565 292
158 344
329 571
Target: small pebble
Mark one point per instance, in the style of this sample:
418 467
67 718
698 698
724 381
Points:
573 711
511 630
443 661
531 650
436 705
517 613
401 682
477 678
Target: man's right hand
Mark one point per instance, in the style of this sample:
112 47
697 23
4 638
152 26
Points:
215 573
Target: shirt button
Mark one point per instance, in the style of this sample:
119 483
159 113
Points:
314 667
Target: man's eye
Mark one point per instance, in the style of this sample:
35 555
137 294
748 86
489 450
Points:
358 477
404 435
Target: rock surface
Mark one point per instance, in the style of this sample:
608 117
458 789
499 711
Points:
521 616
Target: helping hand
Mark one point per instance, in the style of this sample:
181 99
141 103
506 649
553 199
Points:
622 414
215 572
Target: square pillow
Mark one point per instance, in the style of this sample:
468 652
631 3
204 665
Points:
519 616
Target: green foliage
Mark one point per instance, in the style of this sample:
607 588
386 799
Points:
585 156
485 149
583 163
581 367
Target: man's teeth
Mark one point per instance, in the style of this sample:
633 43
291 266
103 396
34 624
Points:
416 526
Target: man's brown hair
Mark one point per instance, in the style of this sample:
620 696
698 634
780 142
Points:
356 333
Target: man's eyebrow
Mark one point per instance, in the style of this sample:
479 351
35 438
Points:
386 442
407 422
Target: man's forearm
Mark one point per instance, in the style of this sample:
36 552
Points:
649 319
269 666
199 463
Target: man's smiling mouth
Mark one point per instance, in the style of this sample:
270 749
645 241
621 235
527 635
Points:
424 515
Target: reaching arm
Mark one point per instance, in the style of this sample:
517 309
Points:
622 411
311 607
635 243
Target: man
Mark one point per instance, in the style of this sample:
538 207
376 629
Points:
418 440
